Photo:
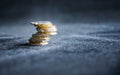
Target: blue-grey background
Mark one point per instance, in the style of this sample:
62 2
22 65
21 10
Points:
62 10
88 40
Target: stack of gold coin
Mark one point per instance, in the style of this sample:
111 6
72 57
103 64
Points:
44 30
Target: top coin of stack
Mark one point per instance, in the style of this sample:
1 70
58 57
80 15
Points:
44 30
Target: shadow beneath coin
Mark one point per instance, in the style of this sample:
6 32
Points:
9 42
23 44
18 46
26 44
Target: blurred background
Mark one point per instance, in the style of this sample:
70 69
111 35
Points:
66 11
88 40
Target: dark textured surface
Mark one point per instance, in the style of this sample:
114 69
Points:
78 49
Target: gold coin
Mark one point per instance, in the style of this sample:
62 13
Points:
37 40
38 43
49 33
40 36
46 29
44 26
46 38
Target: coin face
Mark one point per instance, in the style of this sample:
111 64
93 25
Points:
42 23
44 31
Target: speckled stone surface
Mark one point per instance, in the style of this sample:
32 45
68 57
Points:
78 49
